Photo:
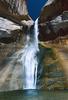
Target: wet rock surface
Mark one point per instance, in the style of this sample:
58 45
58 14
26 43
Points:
50 73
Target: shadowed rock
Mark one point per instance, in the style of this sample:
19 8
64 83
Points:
47 30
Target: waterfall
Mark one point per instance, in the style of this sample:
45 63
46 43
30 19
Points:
26 57
29 59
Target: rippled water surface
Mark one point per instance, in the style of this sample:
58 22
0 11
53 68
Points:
34 95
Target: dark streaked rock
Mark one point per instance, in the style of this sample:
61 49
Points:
50 12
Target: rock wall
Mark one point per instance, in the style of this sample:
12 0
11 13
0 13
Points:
17 6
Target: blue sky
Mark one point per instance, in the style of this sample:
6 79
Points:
34 7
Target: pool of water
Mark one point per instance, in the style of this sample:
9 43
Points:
34 95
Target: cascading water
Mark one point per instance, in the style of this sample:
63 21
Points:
29 59
26 69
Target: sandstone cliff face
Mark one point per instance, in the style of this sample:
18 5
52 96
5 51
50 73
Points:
12 13
48 25
17 6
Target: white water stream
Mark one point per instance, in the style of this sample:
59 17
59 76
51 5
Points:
29 59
